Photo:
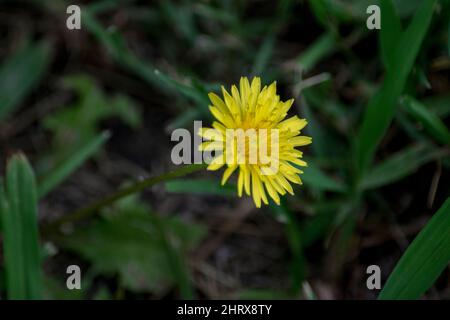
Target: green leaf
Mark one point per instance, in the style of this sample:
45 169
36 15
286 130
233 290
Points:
20 74
69 165
145 250
426 257
400 165
390 32
200 186
75 126
116 46
315 177
429 120
381 107
21 244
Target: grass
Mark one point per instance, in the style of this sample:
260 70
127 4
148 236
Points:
377 104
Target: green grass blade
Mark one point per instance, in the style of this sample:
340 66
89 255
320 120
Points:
400 165
319 9
381 107
20 74
321 48
15 269
63 170
429 120
440 105
314 128
315 177
117 48
184 119
390 32
12 244
28 210
426 257
264 54
21 244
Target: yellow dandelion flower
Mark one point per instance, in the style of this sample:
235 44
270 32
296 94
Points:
253 135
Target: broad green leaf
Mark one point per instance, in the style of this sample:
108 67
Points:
400 165
145 250
426 257
200 186
19 219
428 119
20 74
381 107
69 165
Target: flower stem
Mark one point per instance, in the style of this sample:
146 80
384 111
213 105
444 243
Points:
136 187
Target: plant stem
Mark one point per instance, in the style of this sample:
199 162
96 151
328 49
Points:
136 187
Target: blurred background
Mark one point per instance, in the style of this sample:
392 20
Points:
101 103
